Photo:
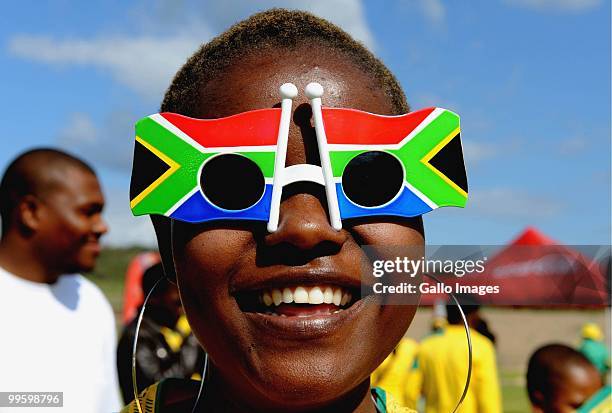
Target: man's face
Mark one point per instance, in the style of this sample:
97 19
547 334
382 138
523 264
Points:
169 301
299 354
577 384
71 221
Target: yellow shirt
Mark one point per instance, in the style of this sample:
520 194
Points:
395 375
442 361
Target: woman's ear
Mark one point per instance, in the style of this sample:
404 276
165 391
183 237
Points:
162 231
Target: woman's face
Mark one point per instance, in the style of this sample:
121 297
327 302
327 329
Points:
301 355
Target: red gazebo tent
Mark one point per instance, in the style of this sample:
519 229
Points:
535 271
133 295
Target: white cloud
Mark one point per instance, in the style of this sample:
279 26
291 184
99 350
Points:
79 130
512 203
434 10
348 14
109 146
146 63
475 152
557 5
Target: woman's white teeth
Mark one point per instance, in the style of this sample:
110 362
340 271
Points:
306 295
277 297
267 299
337 298
315 296
300 295
287 296
328 295
345 299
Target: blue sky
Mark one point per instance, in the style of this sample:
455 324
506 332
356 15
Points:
530 79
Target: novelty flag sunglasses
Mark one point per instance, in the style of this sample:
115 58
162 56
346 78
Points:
198 170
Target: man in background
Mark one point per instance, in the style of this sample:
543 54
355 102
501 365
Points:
394 374
560 379
593 348
58 328
166 347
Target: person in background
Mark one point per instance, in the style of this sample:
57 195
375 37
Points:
58 328
438 319
438 325
481 325
442 364
394 374
600 402
166 347
594 349
560 379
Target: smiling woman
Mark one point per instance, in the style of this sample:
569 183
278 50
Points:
279 312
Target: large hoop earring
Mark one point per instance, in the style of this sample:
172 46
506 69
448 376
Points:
204 377
140 315
135 344
469 343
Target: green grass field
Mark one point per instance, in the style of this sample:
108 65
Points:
513 392
110 271
113 262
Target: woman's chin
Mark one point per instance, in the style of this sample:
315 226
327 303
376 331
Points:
307 386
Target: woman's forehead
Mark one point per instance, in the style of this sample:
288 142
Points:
251 82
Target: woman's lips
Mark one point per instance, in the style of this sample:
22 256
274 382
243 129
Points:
296 300
298 303
303 310
306 324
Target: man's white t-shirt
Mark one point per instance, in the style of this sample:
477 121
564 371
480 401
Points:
58 338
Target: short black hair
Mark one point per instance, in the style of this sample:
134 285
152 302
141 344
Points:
469 305
279 28
28 175
546 367
150 278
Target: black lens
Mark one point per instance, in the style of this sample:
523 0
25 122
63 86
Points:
232 182
372 178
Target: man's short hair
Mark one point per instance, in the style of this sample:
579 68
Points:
469 305
28 175
274 28
150 279
546 367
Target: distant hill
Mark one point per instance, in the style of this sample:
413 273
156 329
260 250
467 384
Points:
110 272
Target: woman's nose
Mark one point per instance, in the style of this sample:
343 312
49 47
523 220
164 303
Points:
304 223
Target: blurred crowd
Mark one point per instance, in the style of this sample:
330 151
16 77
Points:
431 375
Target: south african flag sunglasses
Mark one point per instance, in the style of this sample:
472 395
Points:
198 170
